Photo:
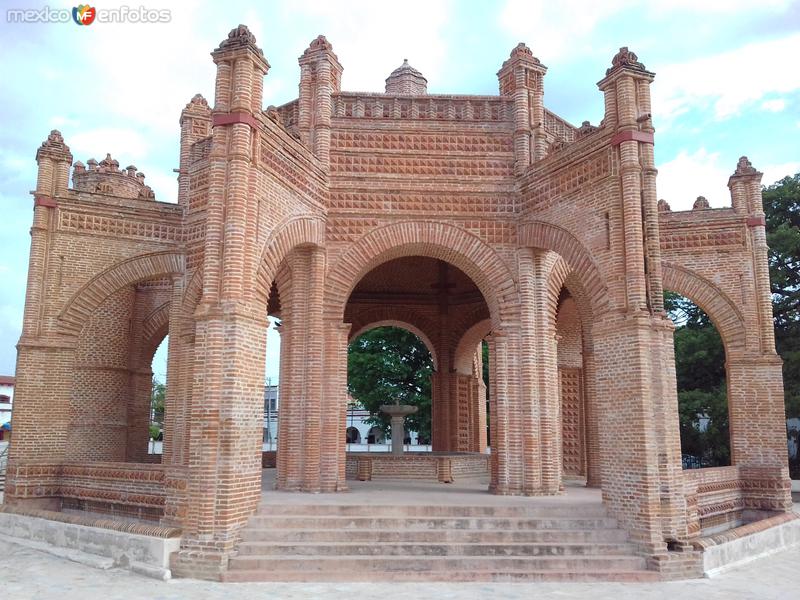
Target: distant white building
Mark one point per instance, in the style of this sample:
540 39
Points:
6 403
360 434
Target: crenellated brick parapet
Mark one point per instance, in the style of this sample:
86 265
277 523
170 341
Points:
106 178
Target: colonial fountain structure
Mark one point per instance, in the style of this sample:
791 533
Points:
398 413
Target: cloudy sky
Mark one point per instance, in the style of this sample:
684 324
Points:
726 83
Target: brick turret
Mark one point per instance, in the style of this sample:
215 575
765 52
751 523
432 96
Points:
522 77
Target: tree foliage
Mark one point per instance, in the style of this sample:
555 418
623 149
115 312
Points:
700 371
389 365
782 210
158 393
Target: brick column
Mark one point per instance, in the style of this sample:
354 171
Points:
626 89
44 368
503 466
224 462
628 444
540 404
320 78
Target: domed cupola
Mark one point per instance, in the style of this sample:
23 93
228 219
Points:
405 80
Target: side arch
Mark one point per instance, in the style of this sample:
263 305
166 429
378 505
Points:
465 350
155 328
297 231
543 235
438 240
139 268
715 303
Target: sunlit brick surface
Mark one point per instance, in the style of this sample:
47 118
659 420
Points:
461 218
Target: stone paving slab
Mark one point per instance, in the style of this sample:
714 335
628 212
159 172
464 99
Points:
29 574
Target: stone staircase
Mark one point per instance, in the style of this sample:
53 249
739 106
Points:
435 543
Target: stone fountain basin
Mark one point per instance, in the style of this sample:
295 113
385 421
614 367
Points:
398 410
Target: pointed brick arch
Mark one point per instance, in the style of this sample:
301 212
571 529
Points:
715 303
466 348
295 232
551 237
563 276
156 325
130 271
443 241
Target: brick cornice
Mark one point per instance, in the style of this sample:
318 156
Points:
234 117
756 221
632 135
46 201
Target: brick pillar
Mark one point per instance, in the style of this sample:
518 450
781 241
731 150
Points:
625 413
540 404
757 418
591 446
320 78
504 475
305 433
44 367
140 382
334 419
175 448
478 402
224 462
195 125
521 78
627 96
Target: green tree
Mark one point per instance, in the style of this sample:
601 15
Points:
158 393
387 365
782 211
700 371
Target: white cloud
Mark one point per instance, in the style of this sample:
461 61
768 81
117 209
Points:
125 145
552 28
729 81
371 38
165 186
773 173
775 105
681 180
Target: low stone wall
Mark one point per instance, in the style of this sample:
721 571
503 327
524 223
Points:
444 467
128 490
143 549
749 542
723 498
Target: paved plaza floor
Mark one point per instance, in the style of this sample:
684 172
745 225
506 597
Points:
32 575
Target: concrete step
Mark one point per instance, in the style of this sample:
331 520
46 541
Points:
428 564
426 536
241 575
384 523
263 549
403 510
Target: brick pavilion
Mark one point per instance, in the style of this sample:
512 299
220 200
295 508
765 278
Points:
461 218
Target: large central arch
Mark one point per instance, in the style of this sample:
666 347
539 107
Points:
442 241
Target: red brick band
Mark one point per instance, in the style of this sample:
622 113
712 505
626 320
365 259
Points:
47 201
234 117
756 221
637 136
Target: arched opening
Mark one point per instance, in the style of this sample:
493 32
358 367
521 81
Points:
158 396
389 365
439 306
118 390
569 336
702 385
